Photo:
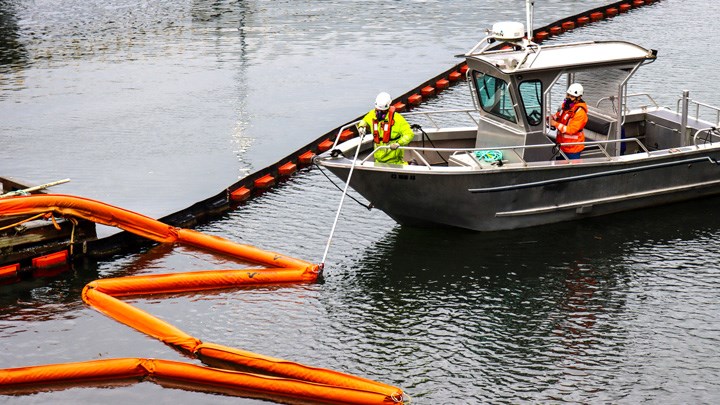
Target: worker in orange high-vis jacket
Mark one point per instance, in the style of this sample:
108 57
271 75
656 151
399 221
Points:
570 120
389 128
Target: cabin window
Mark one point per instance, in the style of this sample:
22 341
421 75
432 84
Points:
494 96
531 94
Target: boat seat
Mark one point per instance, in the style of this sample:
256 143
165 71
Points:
597 128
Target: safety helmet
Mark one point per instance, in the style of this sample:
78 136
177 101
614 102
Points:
575 90
382 101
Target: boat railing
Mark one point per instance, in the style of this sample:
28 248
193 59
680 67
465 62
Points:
696 105
489 43
601 145
612 99
340 131
485 43
638 95
427 114
710 133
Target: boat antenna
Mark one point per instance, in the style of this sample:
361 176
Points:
529 6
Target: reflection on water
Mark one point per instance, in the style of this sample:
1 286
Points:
11 51
154 89
550 313
13 54
545 314
153 106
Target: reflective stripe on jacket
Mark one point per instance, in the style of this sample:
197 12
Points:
570 127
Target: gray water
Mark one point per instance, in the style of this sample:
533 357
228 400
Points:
153 106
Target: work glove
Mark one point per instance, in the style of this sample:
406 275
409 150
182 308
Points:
361 129
394 146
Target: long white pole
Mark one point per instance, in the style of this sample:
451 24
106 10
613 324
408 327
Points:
529 5
342 199
36 188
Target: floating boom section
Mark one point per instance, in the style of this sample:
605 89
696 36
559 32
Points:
142 225
92 210
274 377
208 377
94 296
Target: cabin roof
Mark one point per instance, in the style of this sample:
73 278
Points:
562 56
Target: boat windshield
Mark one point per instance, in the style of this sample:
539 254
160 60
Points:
494 96
531 94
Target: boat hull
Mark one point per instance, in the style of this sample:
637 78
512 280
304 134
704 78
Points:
512 198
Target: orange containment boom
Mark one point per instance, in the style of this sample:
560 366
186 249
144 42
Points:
271 377
207 377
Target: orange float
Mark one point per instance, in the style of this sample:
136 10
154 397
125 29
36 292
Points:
53 259
583 20
541 36
454 76
611 12
9 271
264 181
325 145
287 169
427 91
306 158
568 25
442 84
415 99
597 16
241 194
624 8
346 134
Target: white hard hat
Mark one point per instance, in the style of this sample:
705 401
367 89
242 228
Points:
382 101
575 89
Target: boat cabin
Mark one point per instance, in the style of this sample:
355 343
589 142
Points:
516 84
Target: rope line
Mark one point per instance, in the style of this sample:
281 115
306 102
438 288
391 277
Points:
368 206
27 220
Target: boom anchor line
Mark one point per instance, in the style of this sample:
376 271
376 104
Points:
271 377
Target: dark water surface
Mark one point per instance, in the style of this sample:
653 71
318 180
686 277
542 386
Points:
155 105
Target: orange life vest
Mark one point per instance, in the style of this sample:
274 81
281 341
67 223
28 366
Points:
564 117
387 125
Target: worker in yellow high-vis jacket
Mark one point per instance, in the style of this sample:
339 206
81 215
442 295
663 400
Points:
389 128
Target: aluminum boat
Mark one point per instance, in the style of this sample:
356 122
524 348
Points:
494 166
